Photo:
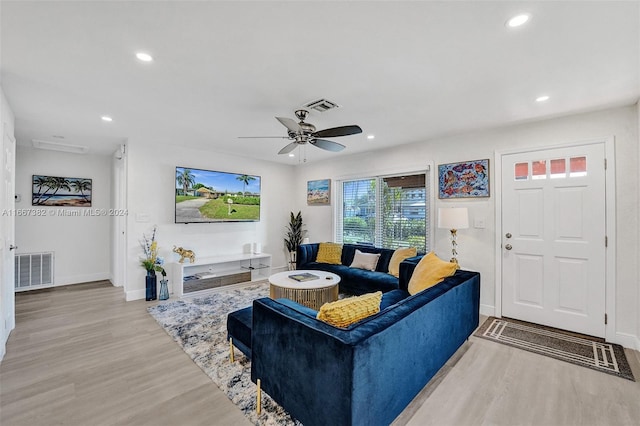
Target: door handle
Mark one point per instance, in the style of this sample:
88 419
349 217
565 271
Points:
508 247
12 247
508 235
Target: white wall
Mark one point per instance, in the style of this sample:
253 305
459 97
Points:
151 194
7 299
81 245
476 246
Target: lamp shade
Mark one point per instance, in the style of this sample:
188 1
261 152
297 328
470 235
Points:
453 218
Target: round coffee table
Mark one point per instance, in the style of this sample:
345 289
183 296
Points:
312 293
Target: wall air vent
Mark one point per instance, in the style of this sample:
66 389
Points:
58 146
321 105
33 270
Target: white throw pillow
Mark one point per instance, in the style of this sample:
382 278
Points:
367 261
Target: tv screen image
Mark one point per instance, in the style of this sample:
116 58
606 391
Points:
214 196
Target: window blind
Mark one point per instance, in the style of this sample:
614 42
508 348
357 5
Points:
386 211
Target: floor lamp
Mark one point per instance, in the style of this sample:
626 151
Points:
453 218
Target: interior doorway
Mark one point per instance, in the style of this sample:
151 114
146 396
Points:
7 238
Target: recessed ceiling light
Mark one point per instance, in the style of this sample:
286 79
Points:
542 98
106 118
291 154
144 57
517 20
371 136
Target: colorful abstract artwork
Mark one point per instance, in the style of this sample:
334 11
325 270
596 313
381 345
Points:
468 179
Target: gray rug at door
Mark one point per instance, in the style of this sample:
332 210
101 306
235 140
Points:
570 347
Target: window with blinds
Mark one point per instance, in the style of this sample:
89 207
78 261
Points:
386 211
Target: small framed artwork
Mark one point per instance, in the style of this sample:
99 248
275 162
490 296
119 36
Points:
61 191
468 179
319 192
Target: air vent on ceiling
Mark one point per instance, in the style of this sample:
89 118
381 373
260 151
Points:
58 146
321 105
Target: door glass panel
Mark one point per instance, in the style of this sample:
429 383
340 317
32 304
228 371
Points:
539 169
521 171
578 166
558 168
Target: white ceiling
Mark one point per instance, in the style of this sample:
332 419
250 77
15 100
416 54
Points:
404 71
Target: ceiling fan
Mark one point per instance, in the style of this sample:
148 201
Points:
302 132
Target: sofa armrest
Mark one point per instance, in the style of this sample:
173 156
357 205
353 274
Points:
306 253
407 267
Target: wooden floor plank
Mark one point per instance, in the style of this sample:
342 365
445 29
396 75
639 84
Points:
81 355
495 384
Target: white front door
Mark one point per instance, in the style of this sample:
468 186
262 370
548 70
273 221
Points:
553 242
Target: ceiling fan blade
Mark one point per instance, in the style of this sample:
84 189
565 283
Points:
328 145
262 137
338 131
289 124
287 149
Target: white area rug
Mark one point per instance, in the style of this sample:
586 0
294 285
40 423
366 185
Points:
199 326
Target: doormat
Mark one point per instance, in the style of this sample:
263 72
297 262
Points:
577 349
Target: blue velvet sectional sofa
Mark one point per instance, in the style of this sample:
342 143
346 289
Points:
368 373
352 280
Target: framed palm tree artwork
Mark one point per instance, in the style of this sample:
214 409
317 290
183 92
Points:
61 191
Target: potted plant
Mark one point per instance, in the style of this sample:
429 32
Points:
294 237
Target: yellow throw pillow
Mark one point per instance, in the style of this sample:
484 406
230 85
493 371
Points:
345 312
430 271
329 253
398 256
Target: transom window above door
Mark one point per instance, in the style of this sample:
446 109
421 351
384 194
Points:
556 168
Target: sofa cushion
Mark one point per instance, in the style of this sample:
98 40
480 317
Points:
239 328
367 261
342 313
392 297
430 271
357 281
329 253
398 256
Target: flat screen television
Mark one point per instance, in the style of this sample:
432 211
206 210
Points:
207 196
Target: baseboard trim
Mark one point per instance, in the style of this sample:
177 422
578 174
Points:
487 310
135 295
627 341
78 279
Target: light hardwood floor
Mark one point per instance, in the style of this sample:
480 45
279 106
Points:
81 355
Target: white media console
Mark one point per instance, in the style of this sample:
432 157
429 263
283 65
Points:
211 272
